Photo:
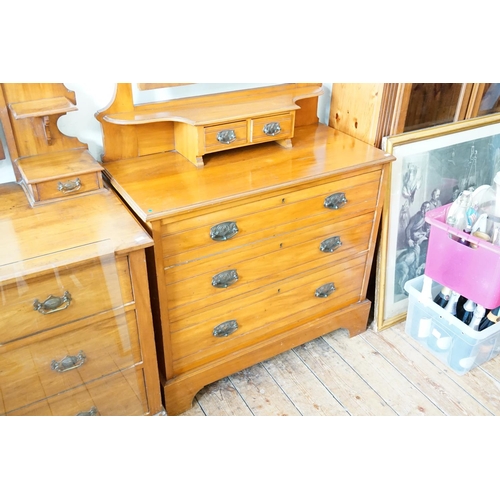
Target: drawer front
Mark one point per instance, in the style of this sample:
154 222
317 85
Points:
258 220
65 188
225 136
272 128
38 303
121 394
264 310
79 354
259 264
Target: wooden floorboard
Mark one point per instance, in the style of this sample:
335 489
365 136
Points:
373 374
383 377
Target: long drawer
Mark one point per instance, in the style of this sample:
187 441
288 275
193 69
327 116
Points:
65 294
197 339
258 220
259 266
120 394
78 354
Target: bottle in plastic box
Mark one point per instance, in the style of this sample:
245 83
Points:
463 353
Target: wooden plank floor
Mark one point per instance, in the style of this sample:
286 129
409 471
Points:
378 374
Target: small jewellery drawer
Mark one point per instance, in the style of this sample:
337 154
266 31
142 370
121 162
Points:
62 295
225 136
272 128
234 324
56 176
66 187
121 394
77 354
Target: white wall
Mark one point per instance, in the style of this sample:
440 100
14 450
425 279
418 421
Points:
92 97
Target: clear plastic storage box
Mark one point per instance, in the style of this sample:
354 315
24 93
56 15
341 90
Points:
449 339
471 270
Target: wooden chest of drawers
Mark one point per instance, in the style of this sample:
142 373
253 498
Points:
76 332
263 249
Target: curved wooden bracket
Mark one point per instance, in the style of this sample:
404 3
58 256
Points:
46 129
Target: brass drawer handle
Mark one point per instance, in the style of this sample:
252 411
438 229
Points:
70 186
226 136
68 363
52 304
91 413
225 329
325 291
335 201
225 278
272 128
223 231
330 244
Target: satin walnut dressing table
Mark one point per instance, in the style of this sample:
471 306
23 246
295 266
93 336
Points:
260 248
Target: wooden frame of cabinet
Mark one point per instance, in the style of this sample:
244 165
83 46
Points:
273 200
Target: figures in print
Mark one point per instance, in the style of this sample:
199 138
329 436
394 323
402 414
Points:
428 182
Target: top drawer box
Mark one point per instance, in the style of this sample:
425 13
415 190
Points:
250 131
63 295
57 176
193 141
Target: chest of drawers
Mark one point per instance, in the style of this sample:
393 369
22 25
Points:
76 334
263 249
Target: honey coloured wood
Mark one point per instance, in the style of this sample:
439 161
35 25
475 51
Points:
295 228
55 176
49 165
196 126
41 107
78 331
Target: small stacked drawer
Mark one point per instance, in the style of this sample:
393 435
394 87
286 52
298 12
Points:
250 131
194 141
230 274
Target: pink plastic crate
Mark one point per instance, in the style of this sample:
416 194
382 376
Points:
472 272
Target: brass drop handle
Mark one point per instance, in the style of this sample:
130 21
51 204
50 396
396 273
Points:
330 244
223 231
325 290
68 363
225 278
91 413
335 201
226 136
225 329
272 129
52 304
69 186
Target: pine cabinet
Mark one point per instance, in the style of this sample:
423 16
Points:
371 111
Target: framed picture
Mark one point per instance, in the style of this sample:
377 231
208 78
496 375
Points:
432 167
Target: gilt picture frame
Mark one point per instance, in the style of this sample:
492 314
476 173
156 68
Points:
432 166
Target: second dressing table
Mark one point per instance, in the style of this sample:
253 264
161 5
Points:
76 330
